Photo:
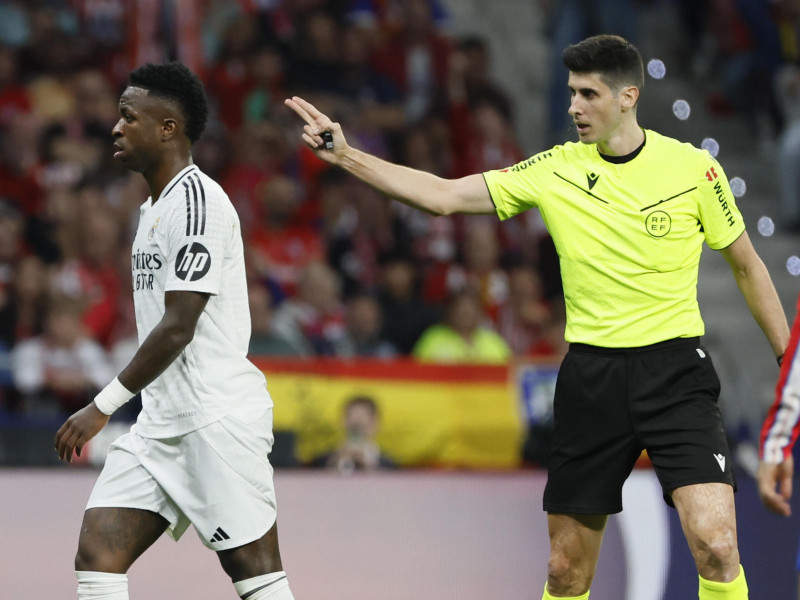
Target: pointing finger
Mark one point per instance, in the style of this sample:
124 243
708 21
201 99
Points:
309 108
299 110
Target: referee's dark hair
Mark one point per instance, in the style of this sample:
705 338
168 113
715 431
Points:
174 80
614 58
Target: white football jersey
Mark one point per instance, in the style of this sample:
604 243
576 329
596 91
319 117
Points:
191 240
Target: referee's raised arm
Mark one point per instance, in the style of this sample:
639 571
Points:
425 191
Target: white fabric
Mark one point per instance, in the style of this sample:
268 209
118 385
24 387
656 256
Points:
190 239
217 478
95 585
274 586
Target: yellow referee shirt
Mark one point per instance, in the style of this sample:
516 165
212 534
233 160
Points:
628 233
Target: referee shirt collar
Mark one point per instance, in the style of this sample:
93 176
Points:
618 160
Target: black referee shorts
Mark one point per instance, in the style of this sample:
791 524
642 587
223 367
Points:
612 403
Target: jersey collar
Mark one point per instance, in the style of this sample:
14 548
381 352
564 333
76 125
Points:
174 181
618 160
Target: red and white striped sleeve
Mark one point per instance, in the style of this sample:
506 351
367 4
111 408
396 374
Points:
782 425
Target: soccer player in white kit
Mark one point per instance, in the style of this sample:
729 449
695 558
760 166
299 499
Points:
198 451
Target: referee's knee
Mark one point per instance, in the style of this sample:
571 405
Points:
717 555
566 578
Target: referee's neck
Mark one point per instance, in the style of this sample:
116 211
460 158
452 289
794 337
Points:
624 140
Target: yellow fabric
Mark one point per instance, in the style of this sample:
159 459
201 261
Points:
629 236
423 423
733 590
441 344
547 596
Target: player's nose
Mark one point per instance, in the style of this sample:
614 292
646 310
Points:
117 130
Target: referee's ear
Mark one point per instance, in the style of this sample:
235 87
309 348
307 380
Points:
629 97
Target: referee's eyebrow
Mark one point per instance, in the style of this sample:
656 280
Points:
583 91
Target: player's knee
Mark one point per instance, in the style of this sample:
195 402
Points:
85 558
90 558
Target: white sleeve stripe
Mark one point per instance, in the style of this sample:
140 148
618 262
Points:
780 434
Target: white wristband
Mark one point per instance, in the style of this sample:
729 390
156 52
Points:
112 397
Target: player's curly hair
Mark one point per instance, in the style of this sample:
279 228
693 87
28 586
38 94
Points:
614 58
175 81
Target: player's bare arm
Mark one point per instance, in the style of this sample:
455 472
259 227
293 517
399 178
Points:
166 341
425 191
164 344
759 292
775 485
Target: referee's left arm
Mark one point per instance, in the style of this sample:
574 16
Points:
759 292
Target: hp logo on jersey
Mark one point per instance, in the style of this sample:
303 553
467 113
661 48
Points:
193 262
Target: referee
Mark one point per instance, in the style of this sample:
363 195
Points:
628 210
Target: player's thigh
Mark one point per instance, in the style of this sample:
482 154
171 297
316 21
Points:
112 538
708 515
256 558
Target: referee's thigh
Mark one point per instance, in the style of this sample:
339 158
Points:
708 517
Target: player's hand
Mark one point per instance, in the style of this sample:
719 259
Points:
775 486
316 124
79 429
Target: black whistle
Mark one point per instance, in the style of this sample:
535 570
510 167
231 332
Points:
327 138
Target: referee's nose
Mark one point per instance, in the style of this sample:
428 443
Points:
575 105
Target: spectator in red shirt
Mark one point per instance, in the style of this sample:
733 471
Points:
281 245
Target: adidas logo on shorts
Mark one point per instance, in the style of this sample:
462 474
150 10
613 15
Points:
220 535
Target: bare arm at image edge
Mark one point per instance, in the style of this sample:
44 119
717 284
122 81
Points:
774 478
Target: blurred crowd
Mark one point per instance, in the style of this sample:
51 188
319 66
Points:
335 269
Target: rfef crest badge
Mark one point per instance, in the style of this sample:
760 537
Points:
658 223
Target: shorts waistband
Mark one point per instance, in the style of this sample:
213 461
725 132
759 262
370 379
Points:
658 346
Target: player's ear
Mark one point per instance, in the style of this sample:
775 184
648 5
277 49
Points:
169 127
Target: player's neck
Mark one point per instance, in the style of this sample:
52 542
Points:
170 165
627 138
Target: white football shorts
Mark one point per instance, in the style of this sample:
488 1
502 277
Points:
218 478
